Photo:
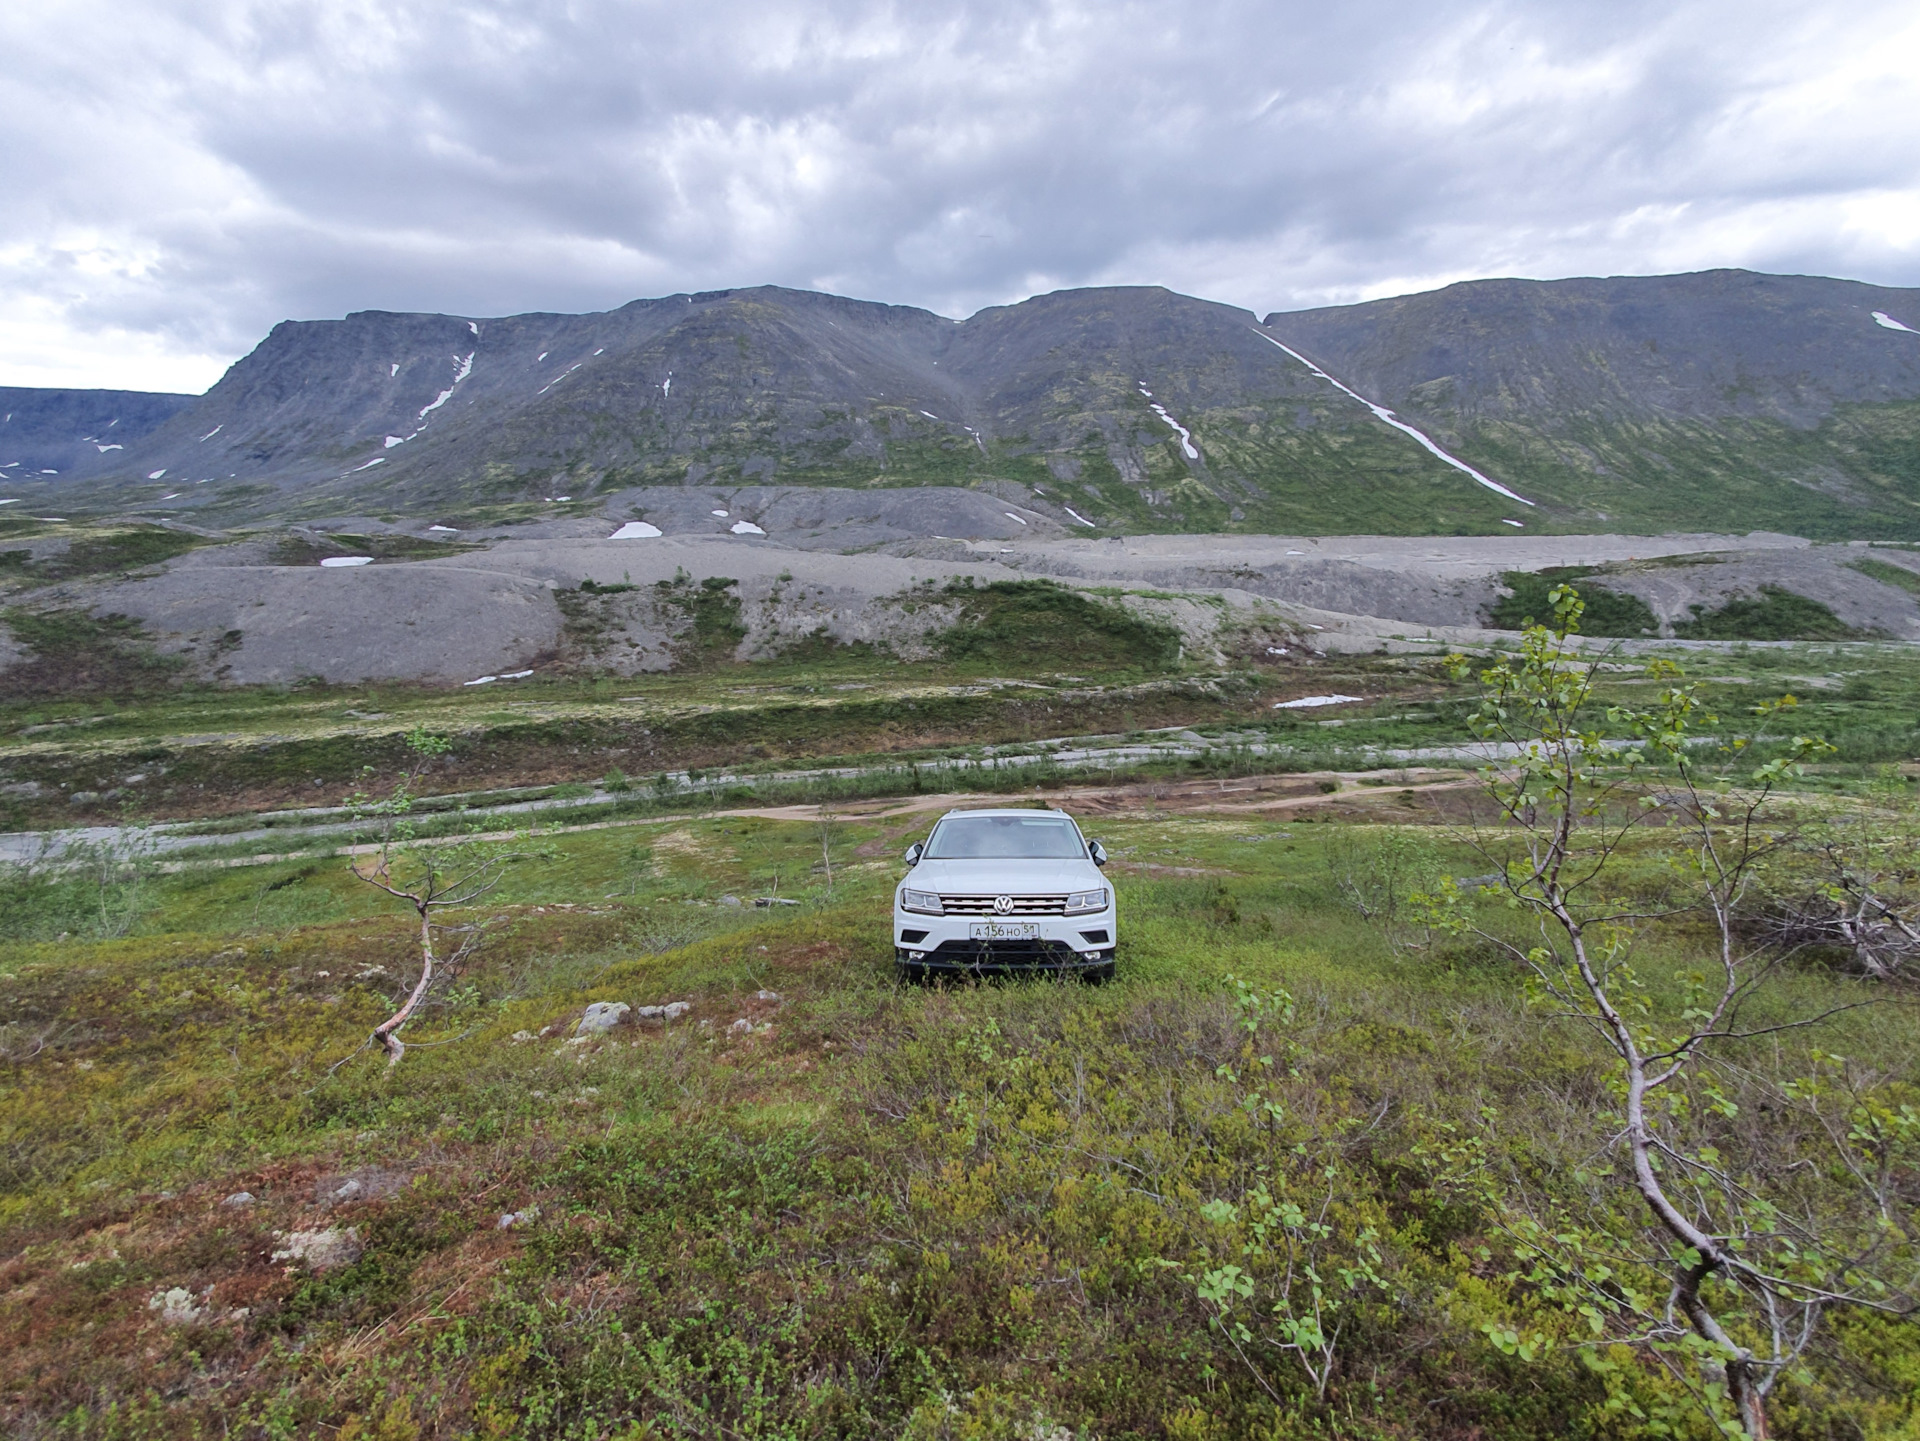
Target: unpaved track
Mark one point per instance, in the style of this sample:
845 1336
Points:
1276 797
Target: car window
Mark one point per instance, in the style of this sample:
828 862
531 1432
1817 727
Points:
1035 838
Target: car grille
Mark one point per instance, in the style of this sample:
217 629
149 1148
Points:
1022 905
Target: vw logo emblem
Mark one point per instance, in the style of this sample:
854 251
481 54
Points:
1003 905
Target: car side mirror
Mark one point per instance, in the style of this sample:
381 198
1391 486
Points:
1098 852
914 852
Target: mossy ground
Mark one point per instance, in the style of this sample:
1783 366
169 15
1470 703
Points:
890 1212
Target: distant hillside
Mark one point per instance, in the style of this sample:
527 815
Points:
76 433
1723 400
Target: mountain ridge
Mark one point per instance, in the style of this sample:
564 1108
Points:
1772 402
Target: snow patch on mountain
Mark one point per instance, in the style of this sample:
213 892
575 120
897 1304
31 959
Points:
1382 413
1186 436
462 368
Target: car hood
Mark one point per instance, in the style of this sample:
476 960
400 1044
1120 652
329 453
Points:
1004 878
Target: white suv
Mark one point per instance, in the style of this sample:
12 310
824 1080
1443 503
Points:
1005 892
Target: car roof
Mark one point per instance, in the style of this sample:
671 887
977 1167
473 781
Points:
1008 811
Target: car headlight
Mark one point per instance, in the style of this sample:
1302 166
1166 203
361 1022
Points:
925 902
1080 902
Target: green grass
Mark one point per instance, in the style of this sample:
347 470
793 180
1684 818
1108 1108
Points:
902 1213
1609 613
74 652
1895 575
1036 627
1775 614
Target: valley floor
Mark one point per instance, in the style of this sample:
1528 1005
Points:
816 1203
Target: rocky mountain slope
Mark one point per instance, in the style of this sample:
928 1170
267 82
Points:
72 434
1720 400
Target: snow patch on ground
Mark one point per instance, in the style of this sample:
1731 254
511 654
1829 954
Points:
746 527
394 440
11 500
377 460
666 386
490 679
174 496
473 326
721 513
1011 516
151 475
462 368
341 562
1382 413
212 433
1516 524
449 529
103 449
929 415
1077 516
393 370
1308 702
635 530
1881 318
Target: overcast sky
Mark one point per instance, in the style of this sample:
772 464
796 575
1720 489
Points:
178 175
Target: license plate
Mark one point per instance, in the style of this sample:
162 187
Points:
1005 931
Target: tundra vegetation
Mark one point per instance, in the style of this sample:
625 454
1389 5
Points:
1352 1146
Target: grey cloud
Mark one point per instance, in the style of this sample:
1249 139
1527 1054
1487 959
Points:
198 171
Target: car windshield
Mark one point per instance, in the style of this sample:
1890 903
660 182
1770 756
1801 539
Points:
1035 838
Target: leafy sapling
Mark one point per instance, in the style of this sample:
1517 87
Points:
1746 1232
435 877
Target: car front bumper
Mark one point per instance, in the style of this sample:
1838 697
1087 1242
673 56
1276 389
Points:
950 945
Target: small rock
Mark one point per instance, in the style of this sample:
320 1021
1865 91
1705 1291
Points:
322 1250
239 1199
670 1011
347 1190
177 1306
741 1027
87 798
514 1220
773 996
525 1036
601 1016
732 902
